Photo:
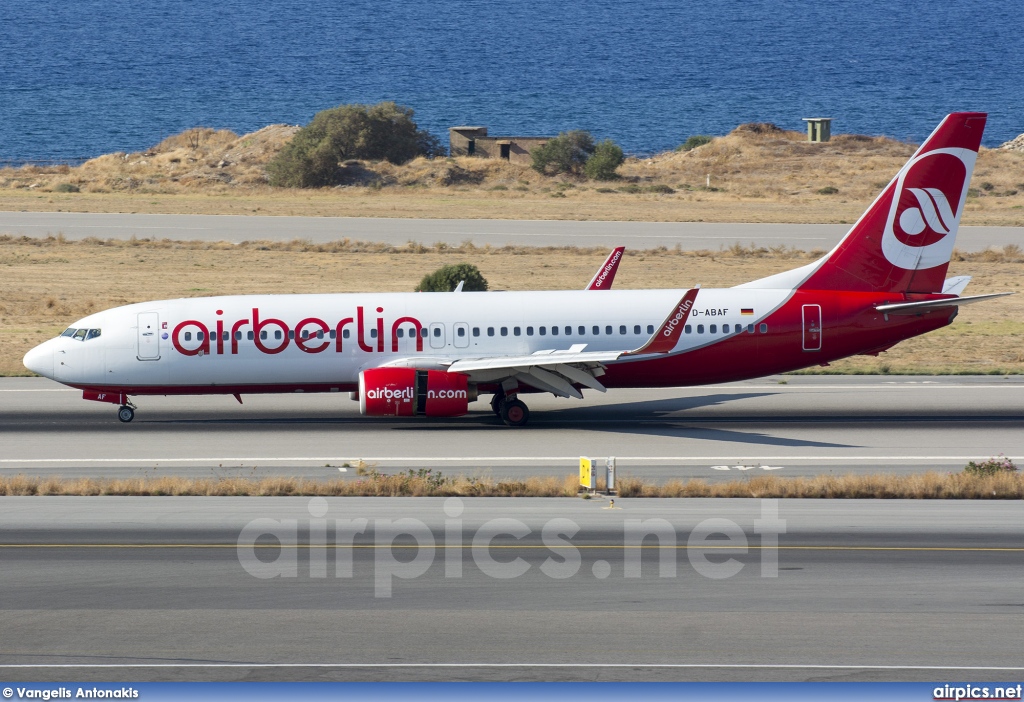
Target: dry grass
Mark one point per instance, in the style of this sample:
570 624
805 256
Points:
765 175
926 486
45 284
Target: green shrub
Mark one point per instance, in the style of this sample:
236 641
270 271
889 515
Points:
446 278
602 163
66 188
694 141
631 188
828 190
660 188
992 466
384 131
566 153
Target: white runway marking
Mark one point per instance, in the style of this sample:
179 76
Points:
783 666
492 459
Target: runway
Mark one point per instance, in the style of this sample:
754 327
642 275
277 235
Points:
635 235
557 589
783 425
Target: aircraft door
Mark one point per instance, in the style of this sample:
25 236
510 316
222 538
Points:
437 340
460 335
149 336
812 327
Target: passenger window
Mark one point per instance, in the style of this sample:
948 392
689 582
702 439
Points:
490 331
346 333
543 331
93 333
582 331
636 329
225 336
69 332
597 331
713 329
334 334
423 333
700 328
201 336
554 331
437 331
249 336
188 336
504 331
291 334
650 328
568 331
401 333
764 328
320 334
460 332
622 328
278 334
238 336
476 331
263 335
725 328
373 333
750 328
687 329
529 331
608 330
516 331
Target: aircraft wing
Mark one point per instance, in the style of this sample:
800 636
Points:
925 305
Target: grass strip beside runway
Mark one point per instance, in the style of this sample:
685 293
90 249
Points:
426 483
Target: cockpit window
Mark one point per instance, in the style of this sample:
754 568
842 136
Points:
69 332
93 333
79 335
82 334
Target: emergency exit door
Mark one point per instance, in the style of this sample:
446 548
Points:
812 327
149 336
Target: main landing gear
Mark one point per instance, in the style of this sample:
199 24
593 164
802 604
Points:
126 413
511 409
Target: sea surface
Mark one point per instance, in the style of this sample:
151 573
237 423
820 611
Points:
85 77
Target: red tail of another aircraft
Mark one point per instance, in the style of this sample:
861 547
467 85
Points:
904 241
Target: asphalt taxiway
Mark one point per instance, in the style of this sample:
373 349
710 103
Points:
784 425
172 588
493 232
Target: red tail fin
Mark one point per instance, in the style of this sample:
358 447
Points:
905 239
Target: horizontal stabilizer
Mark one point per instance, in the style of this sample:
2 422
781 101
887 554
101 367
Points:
926 305
955 285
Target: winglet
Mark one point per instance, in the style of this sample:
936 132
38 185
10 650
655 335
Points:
602 280
667 335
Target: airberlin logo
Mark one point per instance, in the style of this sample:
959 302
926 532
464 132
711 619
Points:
927 199
271 335
680 315
933 211
405 393
613 262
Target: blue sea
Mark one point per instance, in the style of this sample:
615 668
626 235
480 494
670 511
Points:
83 77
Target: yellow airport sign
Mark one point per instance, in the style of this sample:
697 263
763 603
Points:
586 473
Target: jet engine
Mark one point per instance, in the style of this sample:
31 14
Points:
404 392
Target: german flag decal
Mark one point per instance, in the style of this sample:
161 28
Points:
747 310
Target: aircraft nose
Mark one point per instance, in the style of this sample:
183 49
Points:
40 360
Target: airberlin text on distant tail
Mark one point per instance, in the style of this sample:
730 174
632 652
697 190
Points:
270 335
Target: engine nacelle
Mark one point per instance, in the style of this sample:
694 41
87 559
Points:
404 392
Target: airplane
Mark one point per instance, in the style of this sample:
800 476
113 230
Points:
431 354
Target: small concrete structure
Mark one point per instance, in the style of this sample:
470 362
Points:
818 128
474 141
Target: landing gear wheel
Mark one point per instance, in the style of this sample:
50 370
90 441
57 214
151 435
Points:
496 403
515 413
126 414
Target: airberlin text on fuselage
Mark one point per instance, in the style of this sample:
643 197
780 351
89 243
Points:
225 337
